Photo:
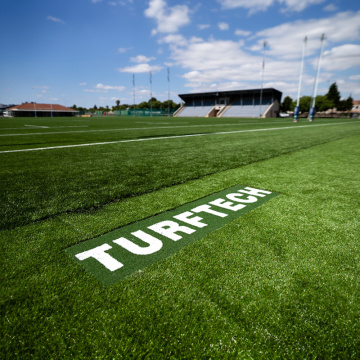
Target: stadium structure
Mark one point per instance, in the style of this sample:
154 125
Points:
40 110
236 103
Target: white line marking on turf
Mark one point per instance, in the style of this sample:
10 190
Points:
137 129
170 137
38 126
44 127
105 130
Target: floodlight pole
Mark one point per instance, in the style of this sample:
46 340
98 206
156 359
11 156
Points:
262 78
168 79
134 92
313 100
151 103
297 107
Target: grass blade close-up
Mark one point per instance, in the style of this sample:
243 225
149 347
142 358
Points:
278 282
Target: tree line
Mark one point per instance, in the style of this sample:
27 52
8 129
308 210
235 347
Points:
322 102
152 103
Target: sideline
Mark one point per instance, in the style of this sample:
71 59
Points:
139 128
171 137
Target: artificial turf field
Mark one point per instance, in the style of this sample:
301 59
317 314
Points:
281 281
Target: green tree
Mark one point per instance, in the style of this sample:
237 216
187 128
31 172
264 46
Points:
287 104
333 94
156 104
171 104
345 105
323 103
143 105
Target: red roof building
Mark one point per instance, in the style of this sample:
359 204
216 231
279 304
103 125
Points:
40 110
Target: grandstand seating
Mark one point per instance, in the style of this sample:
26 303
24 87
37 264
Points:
195 111
251 111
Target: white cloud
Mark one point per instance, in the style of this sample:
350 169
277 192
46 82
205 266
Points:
123 50
296 5
285 41
223 26
83 84
203 26
211 64
168 19
341 57
355 77
262 5
54 19
141 59
108 87
96 1
140 68
330 7
104 88
253 6
239 32
174 39
118 2
41 87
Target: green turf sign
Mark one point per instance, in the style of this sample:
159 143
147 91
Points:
115 255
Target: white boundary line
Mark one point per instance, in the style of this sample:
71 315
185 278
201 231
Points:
139 128
42 127
169 137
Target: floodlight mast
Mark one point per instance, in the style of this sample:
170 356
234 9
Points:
313 100
262 77
134 92
297 107
151 101
168 79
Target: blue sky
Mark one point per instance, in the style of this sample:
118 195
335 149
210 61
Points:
85 52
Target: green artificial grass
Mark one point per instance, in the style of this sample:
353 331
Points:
280 282
39 184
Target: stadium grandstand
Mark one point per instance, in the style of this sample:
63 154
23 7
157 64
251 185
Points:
236 103
40 110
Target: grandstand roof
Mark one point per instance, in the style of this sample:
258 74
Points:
41 107
274 92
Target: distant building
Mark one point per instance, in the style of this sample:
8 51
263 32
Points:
40 110
236 103
3 108
355 111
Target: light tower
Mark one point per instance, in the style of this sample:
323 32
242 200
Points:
313 100
134 91
262 76
151 101
297 107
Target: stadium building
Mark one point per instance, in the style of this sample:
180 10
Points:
236 103
40 110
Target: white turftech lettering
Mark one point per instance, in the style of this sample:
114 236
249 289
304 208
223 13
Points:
169 228
154 243
207 209
255 192
100 255
227 204
195 221
238 198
